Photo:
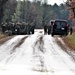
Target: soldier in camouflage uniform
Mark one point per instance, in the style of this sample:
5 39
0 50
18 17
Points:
17 28
32 27
4 27
22 28
45 28
26 28
9 28
13 27
49 28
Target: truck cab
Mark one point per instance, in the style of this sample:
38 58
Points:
59 27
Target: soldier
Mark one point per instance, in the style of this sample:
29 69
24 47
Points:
49 28
17 28
12 27
71 30
28 28
45 28
4 27
32 27
21 28
24 28
9 26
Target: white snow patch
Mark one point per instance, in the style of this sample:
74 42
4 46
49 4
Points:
54 61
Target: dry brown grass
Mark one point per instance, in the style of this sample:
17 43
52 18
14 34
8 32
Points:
4 38
70 41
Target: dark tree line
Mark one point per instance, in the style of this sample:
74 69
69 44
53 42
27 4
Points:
28 11
2 3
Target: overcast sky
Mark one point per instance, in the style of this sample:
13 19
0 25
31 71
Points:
56 1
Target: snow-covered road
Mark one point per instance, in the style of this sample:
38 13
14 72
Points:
36 54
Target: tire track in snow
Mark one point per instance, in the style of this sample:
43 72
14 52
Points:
38 55
5 49
65 47
25 50
39 43
57 60
15 50
18 44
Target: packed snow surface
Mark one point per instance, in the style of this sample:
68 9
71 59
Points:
36 54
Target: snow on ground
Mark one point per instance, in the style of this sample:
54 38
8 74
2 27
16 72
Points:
8 46
58 61
39 54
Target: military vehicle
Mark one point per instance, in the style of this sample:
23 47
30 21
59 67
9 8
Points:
58 27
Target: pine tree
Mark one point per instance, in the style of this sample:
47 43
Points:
18 11
2 3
